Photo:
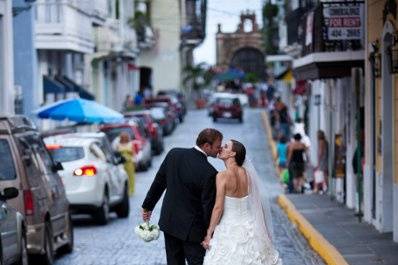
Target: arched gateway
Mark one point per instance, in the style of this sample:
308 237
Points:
242 48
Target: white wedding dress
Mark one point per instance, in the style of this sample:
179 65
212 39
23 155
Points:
242 237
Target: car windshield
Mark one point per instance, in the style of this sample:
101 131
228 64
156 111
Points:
67 153
113 133
227 101
157 113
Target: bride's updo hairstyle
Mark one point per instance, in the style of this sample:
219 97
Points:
240 151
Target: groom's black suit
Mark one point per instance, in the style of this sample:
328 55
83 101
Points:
189 181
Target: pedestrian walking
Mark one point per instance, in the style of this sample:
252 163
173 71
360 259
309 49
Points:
296 164
281 149
323 158
125 148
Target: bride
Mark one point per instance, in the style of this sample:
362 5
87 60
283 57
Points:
239 233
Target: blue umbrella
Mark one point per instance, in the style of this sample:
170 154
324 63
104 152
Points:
230 74
79 110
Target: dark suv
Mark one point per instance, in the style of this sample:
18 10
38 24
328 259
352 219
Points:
27 166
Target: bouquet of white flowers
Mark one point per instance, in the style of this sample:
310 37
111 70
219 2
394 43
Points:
147 232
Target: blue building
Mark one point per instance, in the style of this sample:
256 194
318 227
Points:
25 58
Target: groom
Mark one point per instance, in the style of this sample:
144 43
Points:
189 181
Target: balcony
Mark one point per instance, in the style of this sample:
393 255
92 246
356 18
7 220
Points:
194 31
100 12
64 25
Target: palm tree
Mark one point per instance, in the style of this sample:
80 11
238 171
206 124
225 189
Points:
196 77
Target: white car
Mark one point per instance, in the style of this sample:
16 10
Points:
93 180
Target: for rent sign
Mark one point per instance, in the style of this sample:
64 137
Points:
344 22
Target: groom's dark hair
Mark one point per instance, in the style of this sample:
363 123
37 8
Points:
240 151
209 136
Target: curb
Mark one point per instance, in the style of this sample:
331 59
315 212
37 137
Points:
320 245
267 127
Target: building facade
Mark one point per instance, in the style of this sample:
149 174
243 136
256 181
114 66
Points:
381 101
243 48
7 91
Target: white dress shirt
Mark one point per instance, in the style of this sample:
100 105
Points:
200 150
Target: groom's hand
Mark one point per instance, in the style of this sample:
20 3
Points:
146 215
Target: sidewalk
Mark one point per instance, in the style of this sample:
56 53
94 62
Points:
358 243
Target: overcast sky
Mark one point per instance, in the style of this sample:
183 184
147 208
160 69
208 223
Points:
227 13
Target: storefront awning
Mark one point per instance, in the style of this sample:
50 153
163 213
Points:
322 65
286 75
71 86
52 86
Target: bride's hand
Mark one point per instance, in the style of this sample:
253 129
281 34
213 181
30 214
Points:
206 242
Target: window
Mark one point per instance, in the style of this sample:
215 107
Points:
67 154
7 168
97 152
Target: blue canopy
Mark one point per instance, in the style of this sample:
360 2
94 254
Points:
230 74
79 110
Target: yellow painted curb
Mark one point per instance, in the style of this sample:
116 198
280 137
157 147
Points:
326 250
267 127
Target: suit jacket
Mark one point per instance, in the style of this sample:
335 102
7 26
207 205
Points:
189 181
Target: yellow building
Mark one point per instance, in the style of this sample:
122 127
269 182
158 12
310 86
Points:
381 118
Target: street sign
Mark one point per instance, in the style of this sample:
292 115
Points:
344 22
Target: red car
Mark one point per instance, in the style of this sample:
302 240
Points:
151 127
141 145
172 102
227 108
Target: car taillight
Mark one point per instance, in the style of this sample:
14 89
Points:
28 201
137 146
88 171
153 130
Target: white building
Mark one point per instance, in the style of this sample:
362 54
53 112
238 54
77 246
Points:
113 65
64 36
6 58
160 66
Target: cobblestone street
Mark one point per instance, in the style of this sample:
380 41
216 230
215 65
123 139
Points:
116 243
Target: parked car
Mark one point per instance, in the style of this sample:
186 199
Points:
142 146
172 102
152 129
12 228
165 121
42 199
227 108
178 95
93 182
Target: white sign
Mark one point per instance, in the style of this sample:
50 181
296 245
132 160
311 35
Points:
344 22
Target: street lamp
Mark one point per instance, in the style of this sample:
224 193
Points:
375 58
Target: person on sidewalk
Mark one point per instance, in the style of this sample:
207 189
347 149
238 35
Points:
296 163
281 149
323 158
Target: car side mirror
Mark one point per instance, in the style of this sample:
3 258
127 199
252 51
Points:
57 167
9 193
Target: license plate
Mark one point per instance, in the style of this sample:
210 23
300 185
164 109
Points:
227 115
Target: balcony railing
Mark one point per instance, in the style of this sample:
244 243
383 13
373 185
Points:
60 24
